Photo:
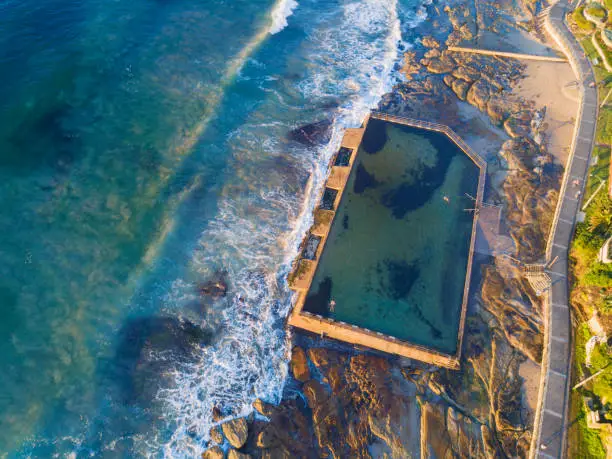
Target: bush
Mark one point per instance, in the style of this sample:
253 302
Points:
581 21
596 10
599 275
587 239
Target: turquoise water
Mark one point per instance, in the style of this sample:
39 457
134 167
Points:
144 151
396 258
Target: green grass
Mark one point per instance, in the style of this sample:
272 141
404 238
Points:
599 172
589 49
603 132
582 441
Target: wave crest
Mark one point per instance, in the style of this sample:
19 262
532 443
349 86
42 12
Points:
281 12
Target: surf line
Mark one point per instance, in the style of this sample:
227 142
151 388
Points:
187 145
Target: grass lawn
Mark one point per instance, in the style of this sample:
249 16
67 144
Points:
589 49
582 441
599 172
603 133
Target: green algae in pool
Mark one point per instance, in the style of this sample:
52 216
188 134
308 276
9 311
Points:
397 255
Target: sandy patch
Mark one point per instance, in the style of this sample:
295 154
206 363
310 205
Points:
551 85
530 372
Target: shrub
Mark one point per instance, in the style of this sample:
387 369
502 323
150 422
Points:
596 10
587 239
581 21
599 275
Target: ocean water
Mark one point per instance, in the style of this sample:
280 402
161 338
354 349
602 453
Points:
396 258
144 152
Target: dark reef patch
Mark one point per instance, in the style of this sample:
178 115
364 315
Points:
410 196
401 276
42 139
375 136
363 180
138 369
318 302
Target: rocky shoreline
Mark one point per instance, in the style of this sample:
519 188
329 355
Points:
341 401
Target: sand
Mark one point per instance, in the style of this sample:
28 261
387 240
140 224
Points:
551 85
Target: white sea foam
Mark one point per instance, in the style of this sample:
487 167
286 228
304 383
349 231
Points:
281 12
262 218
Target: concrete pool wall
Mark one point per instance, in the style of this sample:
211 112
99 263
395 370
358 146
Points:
301 278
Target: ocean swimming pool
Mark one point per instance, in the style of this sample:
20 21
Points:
397 256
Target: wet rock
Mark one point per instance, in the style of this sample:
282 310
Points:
215 288
236 431
216 435
520 154
479 94
460 88
466 73
497 110
267 438
213 453
299 364
277 453
430 42
217 415
233 454
411 65
263 408
138 371
448 80
518 125
488 441
442 64
432 54
312 134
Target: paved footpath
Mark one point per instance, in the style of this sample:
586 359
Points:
552 417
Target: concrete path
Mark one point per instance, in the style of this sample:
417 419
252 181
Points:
550 430
490 52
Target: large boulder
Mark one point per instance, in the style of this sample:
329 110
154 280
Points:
411 65
460 88
263 408
465 73
299 364
497 110
312 134
236 431
233 454
442 64
430 42
213 453
267 438
479 94
216 435
518 125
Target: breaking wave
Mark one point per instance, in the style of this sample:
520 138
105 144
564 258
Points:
282 10
266 207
